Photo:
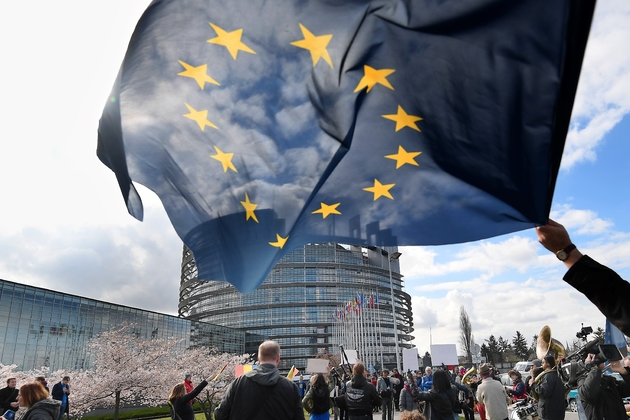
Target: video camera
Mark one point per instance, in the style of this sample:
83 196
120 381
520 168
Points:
584 332
574 367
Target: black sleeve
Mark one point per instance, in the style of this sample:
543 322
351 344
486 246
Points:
589 386
193 394
604 288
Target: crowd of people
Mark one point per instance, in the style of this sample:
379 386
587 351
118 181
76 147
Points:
34 400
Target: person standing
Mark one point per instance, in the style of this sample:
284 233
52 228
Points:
317 398
601 395
181 401
302 386
61 392
492 394
550 390
441 399
188 383
518 391
262 393
385 390
8 396
361 395
427 380
397 388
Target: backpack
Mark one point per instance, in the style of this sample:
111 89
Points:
386 393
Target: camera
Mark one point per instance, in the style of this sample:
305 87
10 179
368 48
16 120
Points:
584 332
575 367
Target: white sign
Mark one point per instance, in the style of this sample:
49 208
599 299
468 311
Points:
317 365
352 357
410 359
444 354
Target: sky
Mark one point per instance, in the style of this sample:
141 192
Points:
64 225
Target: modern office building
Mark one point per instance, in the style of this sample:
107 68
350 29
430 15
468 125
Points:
298 302
40 327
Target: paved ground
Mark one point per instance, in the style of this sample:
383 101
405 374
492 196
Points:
378 416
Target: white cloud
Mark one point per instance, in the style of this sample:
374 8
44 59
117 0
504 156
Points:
508 284
603 95
585 221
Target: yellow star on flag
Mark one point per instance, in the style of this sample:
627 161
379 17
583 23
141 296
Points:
371 77
403 119
198 73
249 208
326 209
380 190
200 117
315 44
403 157
230 40
225 159
280 241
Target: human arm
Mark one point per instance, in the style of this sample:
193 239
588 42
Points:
307 401
464 389
601 285
604 288
193 394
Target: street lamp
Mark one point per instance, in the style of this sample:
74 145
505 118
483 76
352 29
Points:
394 256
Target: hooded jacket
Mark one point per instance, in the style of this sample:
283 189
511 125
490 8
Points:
46 409
320 398
361 396
261 394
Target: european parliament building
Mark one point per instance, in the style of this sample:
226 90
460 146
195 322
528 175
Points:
40 327
298 303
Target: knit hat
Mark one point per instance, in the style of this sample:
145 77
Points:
537 362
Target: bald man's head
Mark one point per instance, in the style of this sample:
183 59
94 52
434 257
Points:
269 352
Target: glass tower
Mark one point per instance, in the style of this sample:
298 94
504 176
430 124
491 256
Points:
298 303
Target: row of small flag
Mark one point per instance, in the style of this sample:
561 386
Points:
355 305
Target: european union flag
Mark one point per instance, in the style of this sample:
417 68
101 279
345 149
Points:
263 125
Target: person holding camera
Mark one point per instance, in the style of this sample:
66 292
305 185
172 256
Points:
601 395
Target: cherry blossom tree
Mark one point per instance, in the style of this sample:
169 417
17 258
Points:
127 369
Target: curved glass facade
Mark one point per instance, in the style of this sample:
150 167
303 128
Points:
40 327
296 303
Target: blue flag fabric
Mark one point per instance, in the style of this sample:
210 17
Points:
614 336
264 125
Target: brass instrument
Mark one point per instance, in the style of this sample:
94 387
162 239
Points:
545 346
467 375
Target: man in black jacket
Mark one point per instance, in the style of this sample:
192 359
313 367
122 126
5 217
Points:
262 393
601 395
550 390
61 392
8 396
361 395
